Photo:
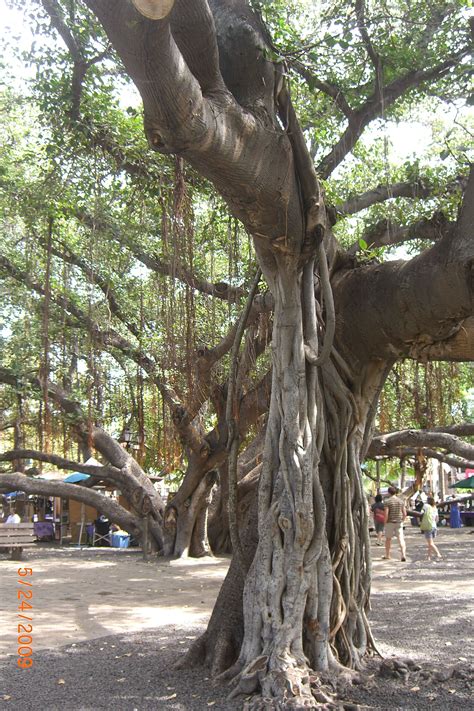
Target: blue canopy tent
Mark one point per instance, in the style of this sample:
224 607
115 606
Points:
76 477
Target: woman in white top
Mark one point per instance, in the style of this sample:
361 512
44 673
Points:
428 526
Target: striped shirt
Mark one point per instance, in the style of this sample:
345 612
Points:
395 508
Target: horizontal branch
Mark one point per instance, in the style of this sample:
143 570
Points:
42 487
331 90
464 429
456 348
415 190
381 444
386 233
220 289
391 310
411 452
98 471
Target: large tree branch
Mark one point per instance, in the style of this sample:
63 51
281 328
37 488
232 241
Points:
97 471
457 348
390 442
377 103
462 247
386 233
412 452
398 311
104 504
392 322
464 429
245 155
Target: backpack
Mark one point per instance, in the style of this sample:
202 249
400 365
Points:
427 522
379 515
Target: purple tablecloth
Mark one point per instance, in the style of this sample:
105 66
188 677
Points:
44 529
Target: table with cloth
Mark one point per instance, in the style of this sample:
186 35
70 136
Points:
44 530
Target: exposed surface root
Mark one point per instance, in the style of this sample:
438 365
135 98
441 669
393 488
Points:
285 687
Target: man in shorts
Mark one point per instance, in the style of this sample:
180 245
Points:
395 513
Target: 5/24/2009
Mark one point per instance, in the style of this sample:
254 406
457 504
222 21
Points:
24 631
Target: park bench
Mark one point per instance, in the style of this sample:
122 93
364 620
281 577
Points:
16 536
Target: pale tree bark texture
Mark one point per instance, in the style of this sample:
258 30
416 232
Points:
211 96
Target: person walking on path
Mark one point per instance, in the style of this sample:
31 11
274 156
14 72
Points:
429 528
378 511
395 513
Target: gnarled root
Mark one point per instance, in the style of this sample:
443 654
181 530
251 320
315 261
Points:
287 686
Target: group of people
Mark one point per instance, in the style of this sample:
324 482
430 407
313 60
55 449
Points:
389 515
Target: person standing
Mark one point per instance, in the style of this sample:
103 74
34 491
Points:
429 528
13 517
395 513
378 511
454 515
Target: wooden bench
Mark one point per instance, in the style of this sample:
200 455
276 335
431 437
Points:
16 536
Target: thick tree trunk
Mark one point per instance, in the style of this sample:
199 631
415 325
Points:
248 471
186 521
218 529
220 645
333 627
288 589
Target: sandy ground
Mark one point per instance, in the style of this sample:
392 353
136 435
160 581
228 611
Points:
82 594
108 628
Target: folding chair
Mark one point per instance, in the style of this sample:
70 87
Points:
102 533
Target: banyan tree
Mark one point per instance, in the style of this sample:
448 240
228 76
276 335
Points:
216 93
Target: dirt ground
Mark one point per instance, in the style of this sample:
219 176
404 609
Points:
108 628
